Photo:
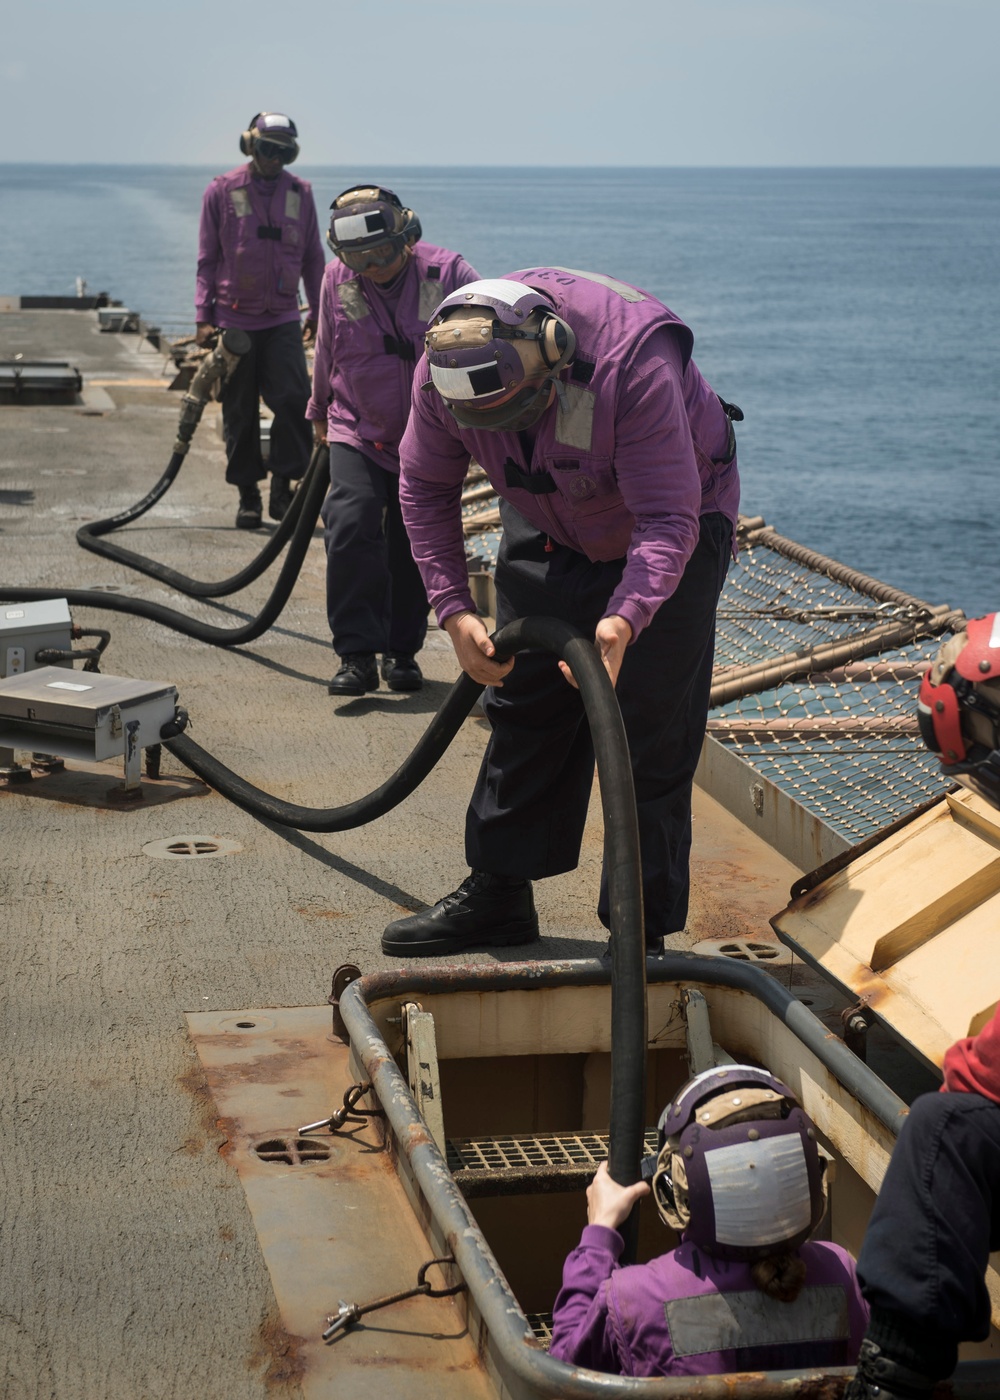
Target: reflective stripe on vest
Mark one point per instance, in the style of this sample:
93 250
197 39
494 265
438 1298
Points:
240 200
431 296
734 1321
575 416
352 299
623 290
293 204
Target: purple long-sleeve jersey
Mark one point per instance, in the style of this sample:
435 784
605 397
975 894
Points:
257 240
636 447
688 1313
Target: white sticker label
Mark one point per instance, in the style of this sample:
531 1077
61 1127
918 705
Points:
15 612
994 633
65 685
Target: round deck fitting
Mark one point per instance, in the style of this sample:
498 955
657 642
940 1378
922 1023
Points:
756 950
189 847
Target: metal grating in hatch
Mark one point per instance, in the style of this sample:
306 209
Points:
541 1326
487 1166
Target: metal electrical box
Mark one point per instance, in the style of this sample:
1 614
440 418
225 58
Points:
85 715
27 628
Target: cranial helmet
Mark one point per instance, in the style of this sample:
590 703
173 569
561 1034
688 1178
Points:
959 707
493 351
369 227
272 135
738 1169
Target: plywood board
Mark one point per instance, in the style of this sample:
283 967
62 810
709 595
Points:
910 927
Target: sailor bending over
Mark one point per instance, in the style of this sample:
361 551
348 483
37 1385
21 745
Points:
616 466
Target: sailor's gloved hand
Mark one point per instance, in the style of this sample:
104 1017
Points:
308 331
319 432
474 649
610 1204
611 637
204 331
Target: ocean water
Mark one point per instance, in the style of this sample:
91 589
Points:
853 314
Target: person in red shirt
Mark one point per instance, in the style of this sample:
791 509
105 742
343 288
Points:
937 1218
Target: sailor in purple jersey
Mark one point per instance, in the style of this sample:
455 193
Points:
378 299
616 466
739 1178
259 237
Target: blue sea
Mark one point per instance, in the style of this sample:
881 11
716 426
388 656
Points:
853 314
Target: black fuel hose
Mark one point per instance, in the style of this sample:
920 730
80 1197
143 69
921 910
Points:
230 346
621 852
312 492
89 536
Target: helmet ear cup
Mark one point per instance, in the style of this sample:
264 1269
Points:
557 342
412 230
246 139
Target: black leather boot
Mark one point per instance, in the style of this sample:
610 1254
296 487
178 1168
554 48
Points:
401 672
248 517
357 675
279 497
878 1377
486 911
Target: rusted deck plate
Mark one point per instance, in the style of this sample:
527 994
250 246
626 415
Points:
333 1229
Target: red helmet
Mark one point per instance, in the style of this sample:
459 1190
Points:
959 708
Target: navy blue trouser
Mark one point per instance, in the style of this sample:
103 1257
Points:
375 597
528 810
937 1218
273 369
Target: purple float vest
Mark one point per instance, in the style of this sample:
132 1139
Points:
376 343
262 247
575 442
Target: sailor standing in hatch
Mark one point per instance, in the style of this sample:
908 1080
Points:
739 1177
616 466
259 237
378 299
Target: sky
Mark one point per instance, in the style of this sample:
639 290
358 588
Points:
507 82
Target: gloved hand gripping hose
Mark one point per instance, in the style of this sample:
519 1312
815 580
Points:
312 492
621 852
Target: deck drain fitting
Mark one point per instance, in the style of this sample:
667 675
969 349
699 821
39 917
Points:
292 1151
745 950
190 847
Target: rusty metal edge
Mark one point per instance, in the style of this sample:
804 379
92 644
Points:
533 1371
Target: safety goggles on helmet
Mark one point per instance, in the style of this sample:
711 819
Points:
272 136
274 150
959 706
738 1168
369 227
494 350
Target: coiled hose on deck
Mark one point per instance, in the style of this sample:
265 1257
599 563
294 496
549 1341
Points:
312 492
621 851
231 346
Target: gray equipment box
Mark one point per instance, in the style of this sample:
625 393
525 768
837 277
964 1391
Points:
84 715
27 628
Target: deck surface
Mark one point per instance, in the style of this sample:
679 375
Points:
129 1256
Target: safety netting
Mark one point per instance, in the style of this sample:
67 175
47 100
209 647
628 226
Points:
817 668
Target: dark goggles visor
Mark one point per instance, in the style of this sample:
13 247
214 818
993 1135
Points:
273 150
